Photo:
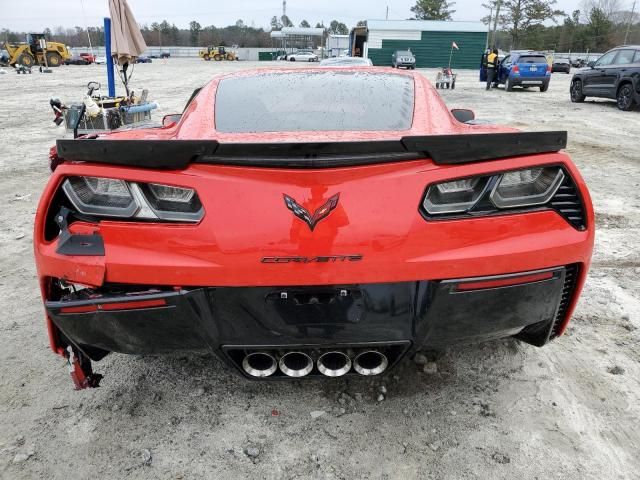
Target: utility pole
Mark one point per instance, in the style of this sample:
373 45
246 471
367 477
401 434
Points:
486 46
495 22
633 11
387 16
284 8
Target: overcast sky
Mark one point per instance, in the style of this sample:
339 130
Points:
36 16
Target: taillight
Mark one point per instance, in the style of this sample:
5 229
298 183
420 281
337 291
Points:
548 68
107 197
515 69
527 188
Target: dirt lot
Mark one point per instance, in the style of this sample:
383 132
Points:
497 410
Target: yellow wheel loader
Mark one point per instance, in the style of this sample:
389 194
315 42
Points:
31 52
217 54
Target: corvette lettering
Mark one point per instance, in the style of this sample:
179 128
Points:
324 259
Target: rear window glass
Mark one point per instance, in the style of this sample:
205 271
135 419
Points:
324 101
625 57
532 59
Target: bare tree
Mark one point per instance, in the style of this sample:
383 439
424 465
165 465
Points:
608 7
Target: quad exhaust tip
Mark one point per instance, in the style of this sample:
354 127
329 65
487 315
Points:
334 364
295 364
370 362
259 364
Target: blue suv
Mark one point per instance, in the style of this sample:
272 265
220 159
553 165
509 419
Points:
521 69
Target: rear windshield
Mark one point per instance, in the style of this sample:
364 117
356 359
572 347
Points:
316 101
532 59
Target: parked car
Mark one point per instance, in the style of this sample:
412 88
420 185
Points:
521 69
143 59
101 60
615 75
302 56
372 234
165 55
561 65
403 59
76 60
88 57
346 62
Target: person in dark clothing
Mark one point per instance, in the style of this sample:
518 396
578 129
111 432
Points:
492 67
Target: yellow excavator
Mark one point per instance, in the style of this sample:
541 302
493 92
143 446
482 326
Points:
32 52
217 54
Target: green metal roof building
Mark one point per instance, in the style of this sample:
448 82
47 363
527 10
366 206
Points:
429 41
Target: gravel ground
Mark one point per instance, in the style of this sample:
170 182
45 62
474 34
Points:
496 410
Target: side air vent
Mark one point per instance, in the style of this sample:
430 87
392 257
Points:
567 203
570 279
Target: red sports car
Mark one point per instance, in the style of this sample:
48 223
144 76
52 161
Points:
309 222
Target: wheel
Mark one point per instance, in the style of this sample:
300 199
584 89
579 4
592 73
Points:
508 86
292 59
544 88
310 60
54 59
207 58
217 57
229 57
575 91
26 60
624 97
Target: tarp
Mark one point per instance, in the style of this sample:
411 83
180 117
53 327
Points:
126 39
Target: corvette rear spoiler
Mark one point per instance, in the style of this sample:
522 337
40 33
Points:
442 149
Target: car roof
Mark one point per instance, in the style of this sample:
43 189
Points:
431 116
521 53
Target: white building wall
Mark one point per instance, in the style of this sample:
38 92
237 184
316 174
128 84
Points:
376 36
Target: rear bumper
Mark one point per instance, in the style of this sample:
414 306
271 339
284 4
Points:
530 81
418 314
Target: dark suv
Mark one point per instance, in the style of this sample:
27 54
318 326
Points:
616 75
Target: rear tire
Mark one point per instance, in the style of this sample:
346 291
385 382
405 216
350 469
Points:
544 88
292 59
26 60
575 91
207 58
624 98
54 59
508 86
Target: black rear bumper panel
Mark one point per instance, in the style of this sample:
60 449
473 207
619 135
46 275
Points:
419 314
